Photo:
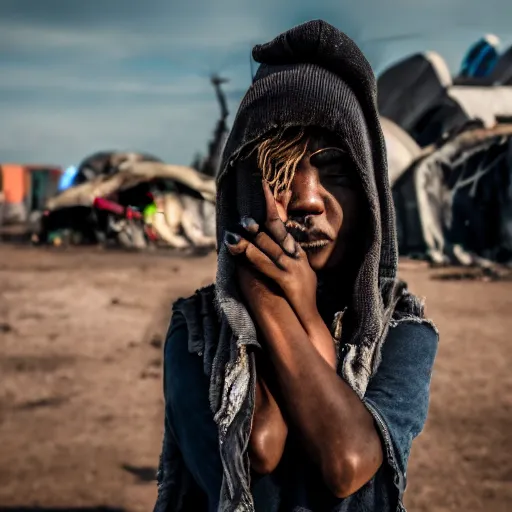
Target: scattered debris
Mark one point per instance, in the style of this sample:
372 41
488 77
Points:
144 474
5 327
43 402
156 341
150 373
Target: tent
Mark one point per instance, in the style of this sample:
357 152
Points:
401 149
409 88
454 203
481 58
419 95
184 200
130 175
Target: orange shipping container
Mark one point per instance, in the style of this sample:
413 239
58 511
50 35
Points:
26 188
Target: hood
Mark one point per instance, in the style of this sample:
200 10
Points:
314 75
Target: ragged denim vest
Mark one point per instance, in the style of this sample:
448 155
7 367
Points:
175 483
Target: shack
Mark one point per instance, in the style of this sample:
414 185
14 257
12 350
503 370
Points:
25 189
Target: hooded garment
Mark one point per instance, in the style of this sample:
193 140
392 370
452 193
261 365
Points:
312 75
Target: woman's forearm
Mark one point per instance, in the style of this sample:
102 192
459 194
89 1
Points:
337 429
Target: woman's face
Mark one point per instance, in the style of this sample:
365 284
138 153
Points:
323 208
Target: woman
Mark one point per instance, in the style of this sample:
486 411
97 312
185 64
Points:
298 381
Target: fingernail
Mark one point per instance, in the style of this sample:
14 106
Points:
289 245
249 224
231 238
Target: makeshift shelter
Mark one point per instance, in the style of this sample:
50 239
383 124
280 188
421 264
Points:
409 88
481 58
419 95
25 189
129 175
401 149
107 163
455 202
185 199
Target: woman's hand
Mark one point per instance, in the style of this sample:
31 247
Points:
275 254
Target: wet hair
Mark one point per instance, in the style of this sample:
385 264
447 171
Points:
279 154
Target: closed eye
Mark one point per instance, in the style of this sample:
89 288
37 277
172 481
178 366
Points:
335 167
327 157
339 178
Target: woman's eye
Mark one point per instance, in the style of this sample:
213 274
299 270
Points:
327 158
340 179
336 175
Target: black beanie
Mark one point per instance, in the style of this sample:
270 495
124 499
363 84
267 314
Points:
317 42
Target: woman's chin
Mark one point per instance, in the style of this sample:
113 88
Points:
318 258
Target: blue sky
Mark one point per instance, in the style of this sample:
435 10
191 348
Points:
78 76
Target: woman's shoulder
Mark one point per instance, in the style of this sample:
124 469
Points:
418 329
200 301
181 363
409 320
411 343
185 378
194 326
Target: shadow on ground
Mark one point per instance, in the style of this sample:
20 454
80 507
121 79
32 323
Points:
144 473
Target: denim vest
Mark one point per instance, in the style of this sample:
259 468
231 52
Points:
397 397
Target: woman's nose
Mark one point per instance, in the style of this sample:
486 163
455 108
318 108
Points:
306 197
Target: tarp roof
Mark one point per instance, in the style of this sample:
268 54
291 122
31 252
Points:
131 174
401 149
485 103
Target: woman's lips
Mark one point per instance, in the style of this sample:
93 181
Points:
308 238
314 244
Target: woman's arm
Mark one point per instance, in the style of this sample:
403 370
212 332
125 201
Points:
269 431
337 429
269 428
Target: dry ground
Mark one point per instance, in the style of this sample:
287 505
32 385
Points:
80 382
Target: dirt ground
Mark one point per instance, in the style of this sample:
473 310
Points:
81 395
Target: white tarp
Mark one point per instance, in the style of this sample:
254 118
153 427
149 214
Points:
131 174
484 103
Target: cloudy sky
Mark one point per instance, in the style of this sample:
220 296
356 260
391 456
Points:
77 76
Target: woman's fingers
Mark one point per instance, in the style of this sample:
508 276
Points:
275 225
263 263
250 225
238 245
235 243
274 251
264 243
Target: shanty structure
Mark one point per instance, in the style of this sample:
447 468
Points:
24 189
183 214
401 148
419 95
449 145
454 203
129 175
